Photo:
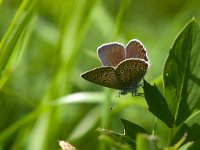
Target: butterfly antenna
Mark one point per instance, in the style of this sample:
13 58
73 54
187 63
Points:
112 105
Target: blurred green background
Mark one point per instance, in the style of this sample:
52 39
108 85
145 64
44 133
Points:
43 99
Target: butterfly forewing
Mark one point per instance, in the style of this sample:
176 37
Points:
131 71
104 76
135 49
111 54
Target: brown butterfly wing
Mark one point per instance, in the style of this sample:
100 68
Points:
111 54
135 49
104 76
131 71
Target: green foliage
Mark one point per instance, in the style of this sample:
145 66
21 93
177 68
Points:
46 45
181 73
180 80
131 129
191 127
123 141
120 141
157 104
12 40
181 76
146 142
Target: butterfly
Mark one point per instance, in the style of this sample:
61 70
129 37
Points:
123 66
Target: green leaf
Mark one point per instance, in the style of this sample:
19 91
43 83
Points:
157 104
120 141
181 73
146 142
179 145
131 129
186 146
191 127
10 45
86 124
195 145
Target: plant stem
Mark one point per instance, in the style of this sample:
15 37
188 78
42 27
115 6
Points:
170 137
155 126
106 116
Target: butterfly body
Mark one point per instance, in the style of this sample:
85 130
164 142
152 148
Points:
123 67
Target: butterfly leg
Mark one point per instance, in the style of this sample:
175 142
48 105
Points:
119 94
141 84
140 94
122 92
134 92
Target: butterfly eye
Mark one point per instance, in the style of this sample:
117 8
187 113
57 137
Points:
106 74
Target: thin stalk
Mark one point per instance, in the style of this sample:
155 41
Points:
170 137
155 126
106 115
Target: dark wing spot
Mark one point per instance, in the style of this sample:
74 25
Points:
122 71
118 74
95 77
103 81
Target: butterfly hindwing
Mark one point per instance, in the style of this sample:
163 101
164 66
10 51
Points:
104 76
131 71
111 54
135 49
